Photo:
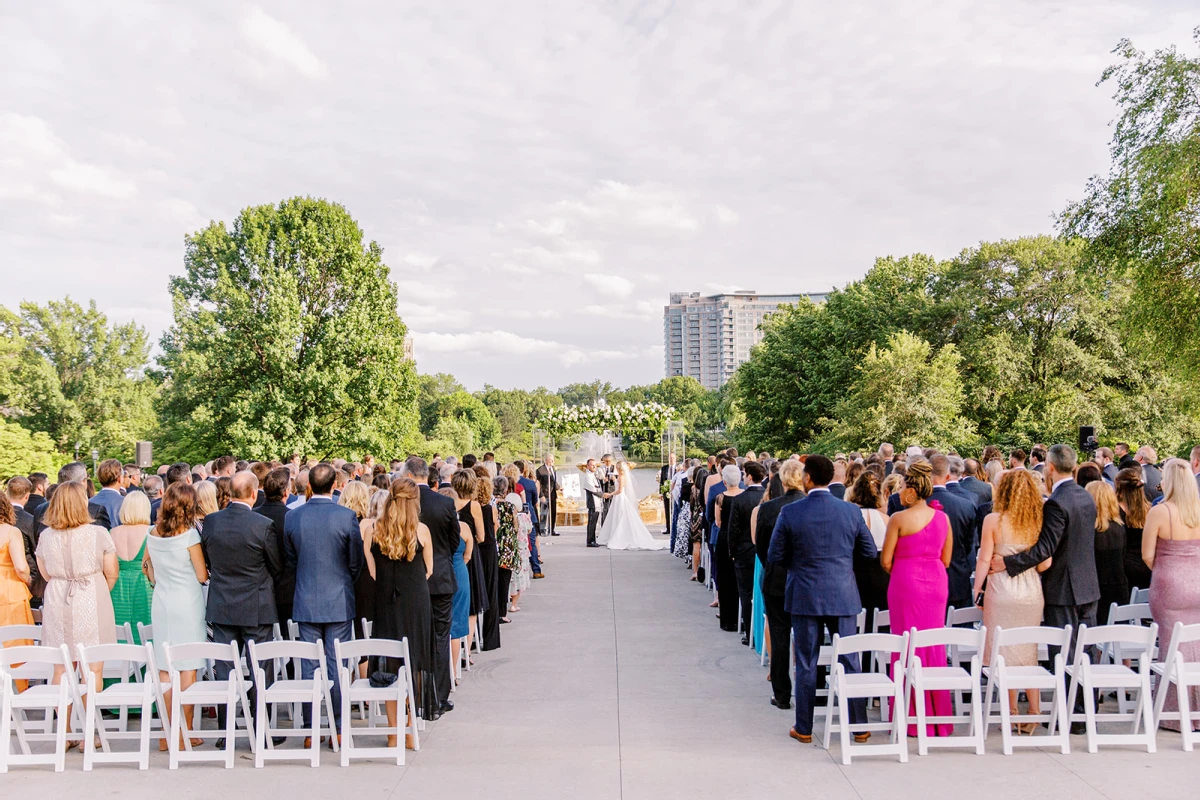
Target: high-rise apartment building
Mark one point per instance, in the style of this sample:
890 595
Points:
708 337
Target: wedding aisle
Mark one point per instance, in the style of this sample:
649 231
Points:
615 682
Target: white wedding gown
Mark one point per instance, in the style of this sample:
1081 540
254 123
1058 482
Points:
623 528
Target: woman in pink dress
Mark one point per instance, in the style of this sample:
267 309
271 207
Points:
916 551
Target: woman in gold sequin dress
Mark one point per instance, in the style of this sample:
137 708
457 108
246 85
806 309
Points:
1012 602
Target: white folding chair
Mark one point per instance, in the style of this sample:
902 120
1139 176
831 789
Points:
292 690
1036 678
359 689
230 693
51 699
1116 652
1138 596
145 632
1184 676
845 687
143 695
940 677
825 654
1088 676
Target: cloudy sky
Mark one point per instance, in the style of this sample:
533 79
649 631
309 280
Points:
542 174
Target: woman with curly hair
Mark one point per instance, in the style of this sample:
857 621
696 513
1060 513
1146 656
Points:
1012 601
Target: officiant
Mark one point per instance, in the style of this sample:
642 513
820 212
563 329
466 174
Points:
547 479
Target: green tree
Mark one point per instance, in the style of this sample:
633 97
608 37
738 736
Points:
22 452
585 394
1143 217
904 393
286 338
75 377
430 391
463 407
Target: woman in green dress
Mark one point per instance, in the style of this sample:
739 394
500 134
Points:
131 596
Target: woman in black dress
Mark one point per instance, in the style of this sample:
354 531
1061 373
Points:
403 558
1110 549
1131 494
471 514
489 558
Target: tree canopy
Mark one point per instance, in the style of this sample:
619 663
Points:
286 338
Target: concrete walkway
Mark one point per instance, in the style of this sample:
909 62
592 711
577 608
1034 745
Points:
614 681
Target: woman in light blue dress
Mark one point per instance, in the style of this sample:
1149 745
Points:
178 571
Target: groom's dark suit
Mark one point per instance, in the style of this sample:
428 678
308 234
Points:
591 487
608 483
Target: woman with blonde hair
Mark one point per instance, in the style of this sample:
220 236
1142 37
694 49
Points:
206 501
132 593
357 497
79 562
1012 602
403 556
1171 548
994 469
1110 549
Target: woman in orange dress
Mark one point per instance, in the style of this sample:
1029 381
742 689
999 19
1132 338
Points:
14 573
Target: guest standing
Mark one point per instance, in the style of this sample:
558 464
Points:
14 573
917 553
438 515
460 605
1171 548
1110 549
176 568
774 582
357 497
1131 495
727 585
870 575
816 539
741 541
321 540
1012 602
1070 586
489 558
274 508
132 593
79 562
244 556
403 556
470 513
508 557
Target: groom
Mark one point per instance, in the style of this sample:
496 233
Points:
608 483
591 487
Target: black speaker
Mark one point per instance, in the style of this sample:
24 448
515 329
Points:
142 454
1087 437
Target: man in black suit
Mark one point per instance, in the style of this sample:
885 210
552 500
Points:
1037 459
774 582
244 551
18 490
981 489
837 487
954 483
608 483
547 479
591 488
274 508
37 493
740 540
439 515
962 526
1070 586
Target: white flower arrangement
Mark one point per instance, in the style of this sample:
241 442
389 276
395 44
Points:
562 421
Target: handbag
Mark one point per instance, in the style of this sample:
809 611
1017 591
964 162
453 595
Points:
147 564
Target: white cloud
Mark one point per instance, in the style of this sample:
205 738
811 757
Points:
609 284
281 42
726 215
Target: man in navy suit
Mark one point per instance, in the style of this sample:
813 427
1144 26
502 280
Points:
981 489
817 539
105 507
323 545
962 514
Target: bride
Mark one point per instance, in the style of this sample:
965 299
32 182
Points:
623 528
